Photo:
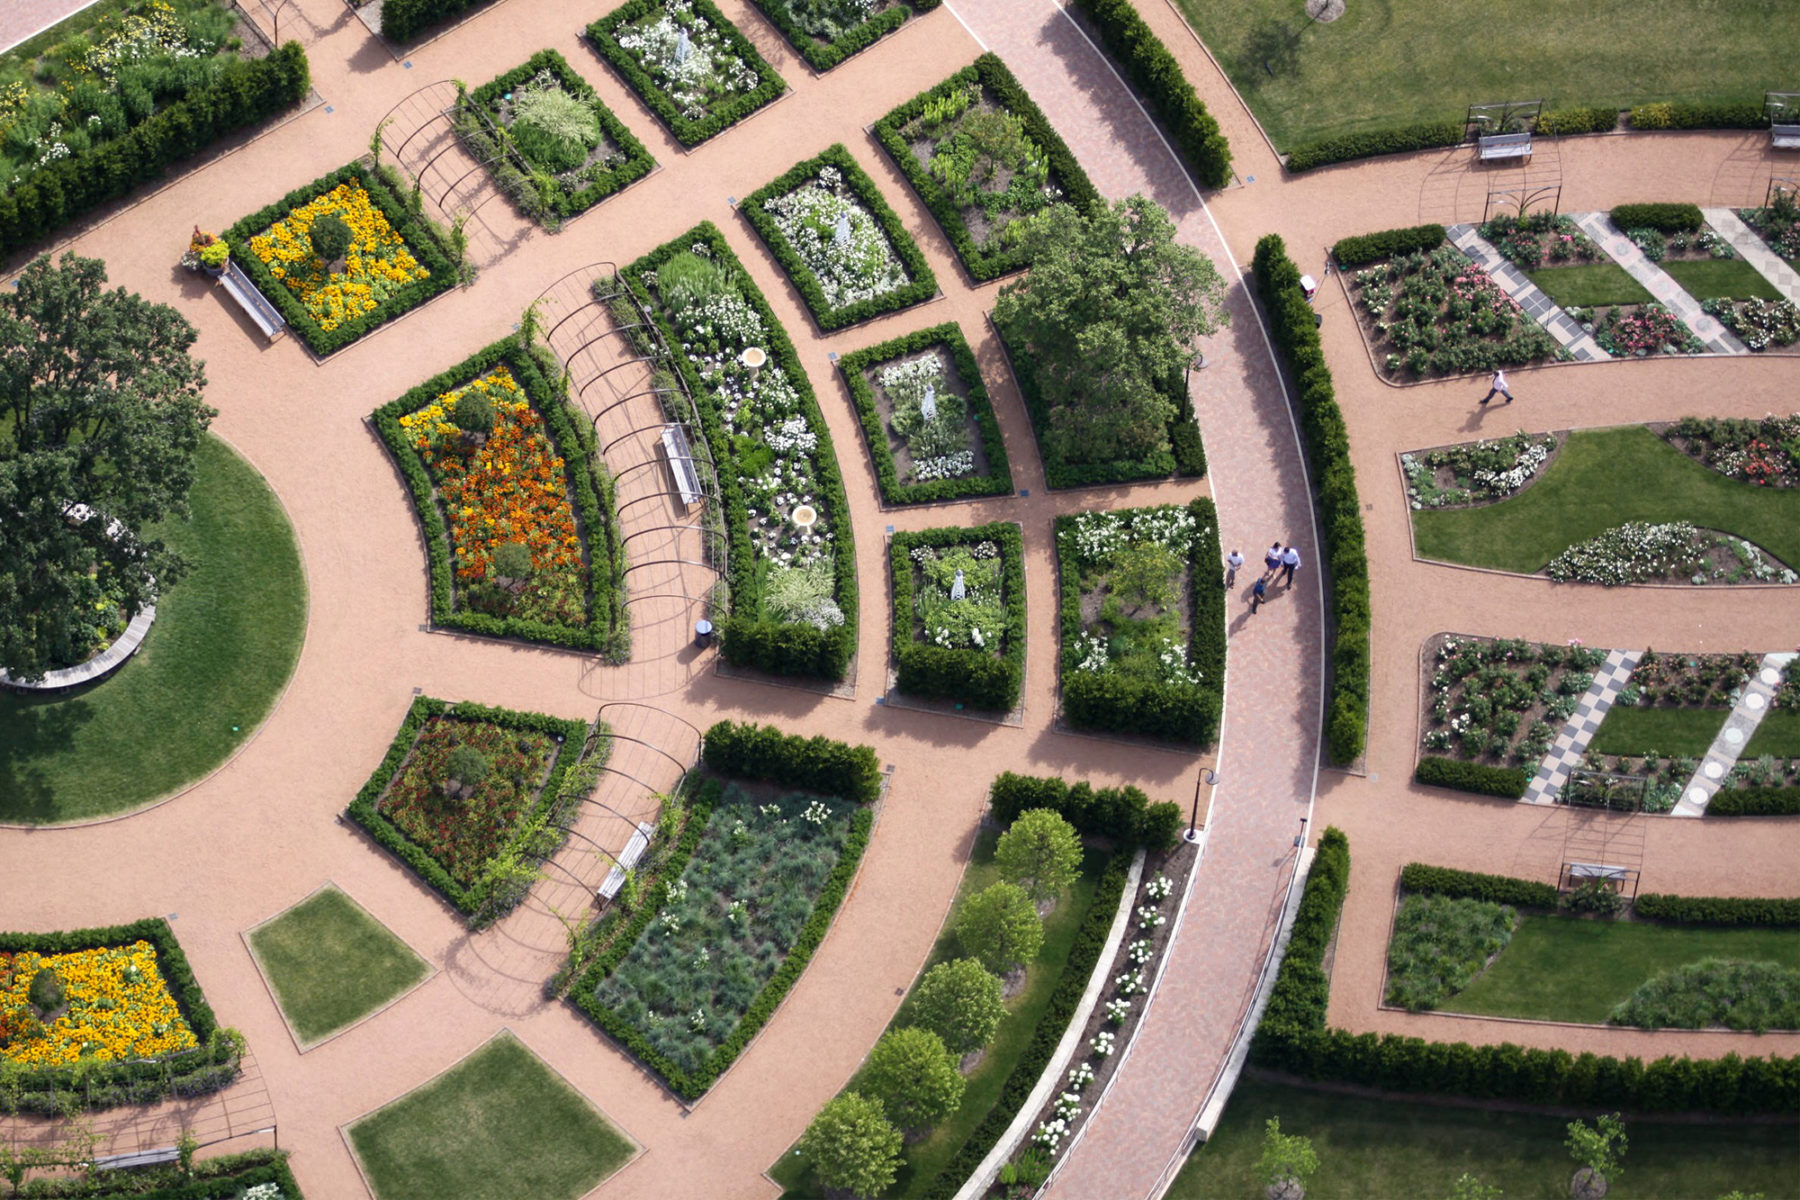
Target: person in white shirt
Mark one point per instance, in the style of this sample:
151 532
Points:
1233 561
1290 558
1498 384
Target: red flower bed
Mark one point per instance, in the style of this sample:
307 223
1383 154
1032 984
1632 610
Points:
463 834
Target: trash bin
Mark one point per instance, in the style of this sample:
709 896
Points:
703 633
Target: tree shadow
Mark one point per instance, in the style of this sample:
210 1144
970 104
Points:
1273 47
31 728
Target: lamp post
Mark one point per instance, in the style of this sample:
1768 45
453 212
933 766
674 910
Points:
1300 838
1209 777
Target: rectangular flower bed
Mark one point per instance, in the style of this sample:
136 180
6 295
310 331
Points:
826 32
1438 313
952 450
983 158
1541 239
395 260
532 482
525 772
1500 702
1475 472
1143 621
1759 324
1637 330
969 647
689 65
793 581
842 246
548 140
1778 225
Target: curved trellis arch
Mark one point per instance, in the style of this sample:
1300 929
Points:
430 112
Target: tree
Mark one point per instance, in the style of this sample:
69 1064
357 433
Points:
1468 1187
99 406
1040 852
1599 1151
1107 316
913 1076
851 1145
959 1001
1287 1159
999 925
330 237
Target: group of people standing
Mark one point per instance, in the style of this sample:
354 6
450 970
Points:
1278 560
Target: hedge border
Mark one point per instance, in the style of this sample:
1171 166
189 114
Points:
638 160
1362 250
591 492
1779 913
1508 783
222 1178
997 482
1124 814
363 810
992 74
1133 706
1295 332
762 753
1399 139
751 640
923 285
408 18
1428 880
822 56
921 664
419 237
688 133
1755 802
1665 218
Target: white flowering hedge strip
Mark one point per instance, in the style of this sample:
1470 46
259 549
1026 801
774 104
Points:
690 65
1481 472
968 648
845 250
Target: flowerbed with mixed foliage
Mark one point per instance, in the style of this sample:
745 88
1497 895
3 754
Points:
826 32
1539 238
549 140
253 1175
1500 701
793 588
972 649
1759 324
530 480
1438 313
1475 472
1438 946
983 157
845 250
1637 330
1143 621
1715 993
688 63
1778 225
1765 452
1641 552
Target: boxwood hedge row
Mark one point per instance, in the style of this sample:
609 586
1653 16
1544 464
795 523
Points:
1745 114
689 133
404 20
1783 913
810 764
1563 121
823 55
1668 218
223 1178
1426 135
1372 247
1507 782
1755 802
1124 814
977 678
1473 885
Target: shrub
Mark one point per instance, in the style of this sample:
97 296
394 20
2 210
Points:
1372 247
1595 897
1425 136
46 992
404 20
1124 814
512 560
1748 114
1718 910
960 1002
690 132
330 237
1565 121
912 1076
1508 782
1040 853
1738 995
851 1145
1664 218
474 412
1499 889
815 764
999 926
466 765
1755 802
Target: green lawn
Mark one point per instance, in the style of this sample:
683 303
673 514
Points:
331 964
1681 731
1591 285
925 1158
499 1125
1382 1150
1394 62
1604 478
1779 734
1567 969
1725 279
225 640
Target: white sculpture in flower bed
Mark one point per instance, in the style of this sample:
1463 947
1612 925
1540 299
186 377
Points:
933 421
689 59
838 239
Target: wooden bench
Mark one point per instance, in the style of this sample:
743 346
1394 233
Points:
254 303
1495 147
681 463
137 1158
1784 137
628 858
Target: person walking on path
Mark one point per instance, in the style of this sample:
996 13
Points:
1290 558
1233 561
1258 594
1271 561
1498 384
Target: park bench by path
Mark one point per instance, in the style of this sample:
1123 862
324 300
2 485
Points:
628 858
254 303
1498 147
1784 137
137 1158
681 463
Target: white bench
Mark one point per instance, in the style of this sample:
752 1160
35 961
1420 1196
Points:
681 463
628 858
1492 147
137 1158
253 302
1784 137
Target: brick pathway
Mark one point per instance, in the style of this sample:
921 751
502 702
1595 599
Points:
1770 265
1659 283
1538 306
1573 738
1740 726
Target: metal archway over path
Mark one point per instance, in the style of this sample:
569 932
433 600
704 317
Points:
419 135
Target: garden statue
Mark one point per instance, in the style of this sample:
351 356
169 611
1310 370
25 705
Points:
958 589
840 237
683 48
928 406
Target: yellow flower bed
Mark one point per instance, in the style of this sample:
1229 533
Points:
118 1007
377 265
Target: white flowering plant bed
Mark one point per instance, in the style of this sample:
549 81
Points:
967 643
1500 701
843 248
1476 472
826 32
690 65
1670 552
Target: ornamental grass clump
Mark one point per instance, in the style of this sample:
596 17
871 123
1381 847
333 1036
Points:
1714 992
1440 944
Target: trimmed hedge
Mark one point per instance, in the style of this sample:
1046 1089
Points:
1718 910
822 55
1747 114
1153 72
1473 885
1373 247
212 1065
1296 1006
976 678
1090 940
420 239
1506 782
997 482
923 285
688 133
747 638
607 631
223 1178
364 810
404 20
1296 335
1755 802
1564 121
1427 135
1123 814
1666 218
560 202
816 764
984 264
244 93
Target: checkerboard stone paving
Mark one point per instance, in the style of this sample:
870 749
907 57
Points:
1739 728
1572 742
1538 306
1743 239
1656 281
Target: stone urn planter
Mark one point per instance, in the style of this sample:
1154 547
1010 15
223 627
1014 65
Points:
1588 1184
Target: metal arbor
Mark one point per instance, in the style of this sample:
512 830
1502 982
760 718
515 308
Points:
420 133
1505 116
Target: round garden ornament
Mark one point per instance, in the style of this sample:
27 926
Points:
753 358
805 515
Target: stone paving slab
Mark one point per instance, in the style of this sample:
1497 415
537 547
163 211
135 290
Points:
1528 295
1739 728
1572 742
1770 265
1658 282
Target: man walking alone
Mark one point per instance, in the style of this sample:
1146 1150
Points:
1498 384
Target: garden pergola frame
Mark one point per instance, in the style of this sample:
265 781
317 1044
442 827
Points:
1519 200
1502 116
430 109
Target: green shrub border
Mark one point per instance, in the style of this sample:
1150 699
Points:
1755 802
1565 121
1293 1037
222 1178
1473 885
748 638
1373 247
1665 218
688 133
997 482
638 160
1124 814
592 493
923 285
763 753
420 239
983 265
404 20
973 677
822 56
1685 114
470 900
1427 135
1509 783
1781 913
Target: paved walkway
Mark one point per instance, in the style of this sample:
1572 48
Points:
1770 265
1740 727
1659 283
1573 738
1537 305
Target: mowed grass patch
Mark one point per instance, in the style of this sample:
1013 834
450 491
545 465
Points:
1638 731
225 640
1567 969
1590 286
500 1125
1602 479
1386 1150
330 963
1721 279
1779 734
